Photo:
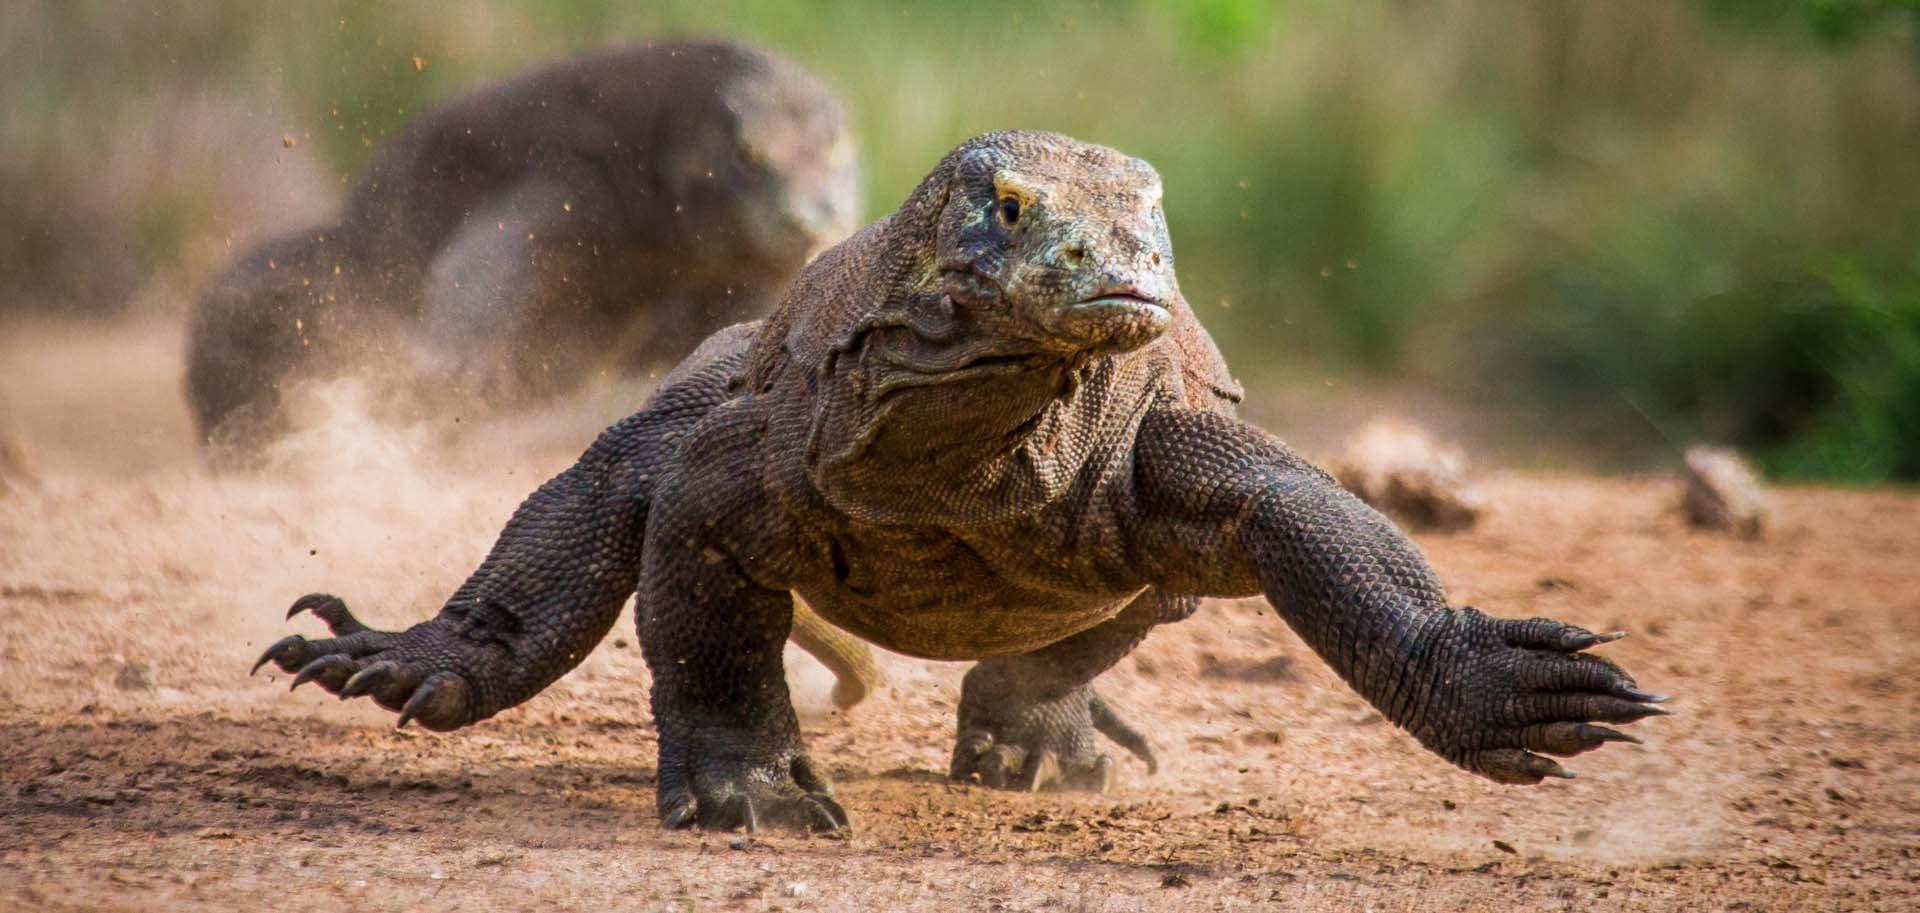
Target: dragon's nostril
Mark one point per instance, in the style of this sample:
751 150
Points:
1073 254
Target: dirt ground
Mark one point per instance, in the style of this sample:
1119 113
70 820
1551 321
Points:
142 769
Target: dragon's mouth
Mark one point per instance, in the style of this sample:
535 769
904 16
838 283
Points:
1122 306
1115 320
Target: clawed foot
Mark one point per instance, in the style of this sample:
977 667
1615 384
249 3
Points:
699 786
1009 740
1524 686
416 672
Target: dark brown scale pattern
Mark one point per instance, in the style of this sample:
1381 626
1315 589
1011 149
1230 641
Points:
1007 441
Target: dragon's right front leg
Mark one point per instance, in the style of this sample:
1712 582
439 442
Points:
548 591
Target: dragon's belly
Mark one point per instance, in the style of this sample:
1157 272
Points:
959 625
941 599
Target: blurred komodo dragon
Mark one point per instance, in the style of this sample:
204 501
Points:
597 214
602 212
985 427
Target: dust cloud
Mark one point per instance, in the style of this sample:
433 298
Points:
122 508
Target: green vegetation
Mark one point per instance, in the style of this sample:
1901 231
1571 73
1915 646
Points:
1674 222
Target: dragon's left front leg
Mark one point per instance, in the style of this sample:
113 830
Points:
1224 509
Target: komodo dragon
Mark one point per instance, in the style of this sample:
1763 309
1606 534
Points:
595 214
985 427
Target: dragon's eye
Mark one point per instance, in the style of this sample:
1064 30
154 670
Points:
1009 210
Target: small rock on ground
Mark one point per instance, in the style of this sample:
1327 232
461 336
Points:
1724 492
1402 471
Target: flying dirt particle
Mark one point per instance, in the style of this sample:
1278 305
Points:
419 63
1175 880
287 141
1505 847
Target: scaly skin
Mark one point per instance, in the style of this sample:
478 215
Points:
986 427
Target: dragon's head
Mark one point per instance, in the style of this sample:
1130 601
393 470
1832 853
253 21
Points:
1051 244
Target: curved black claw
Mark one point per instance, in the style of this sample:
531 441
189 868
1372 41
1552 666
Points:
386 679
1568 739
331 670
440 703
330 609
288 651
1514 766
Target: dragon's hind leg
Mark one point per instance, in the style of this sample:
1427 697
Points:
1030 721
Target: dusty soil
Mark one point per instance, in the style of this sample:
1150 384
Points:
144 770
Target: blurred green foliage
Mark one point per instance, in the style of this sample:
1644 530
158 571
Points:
1832 21
1675 222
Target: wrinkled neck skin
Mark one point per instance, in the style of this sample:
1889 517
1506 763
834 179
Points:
931 414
